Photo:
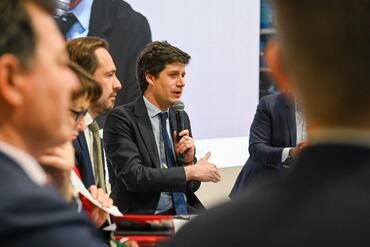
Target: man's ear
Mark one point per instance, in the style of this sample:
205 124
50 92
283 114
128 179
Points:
150 79
11 78
274 63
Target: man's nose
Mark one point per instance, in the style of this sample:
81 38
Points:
117 84
181 82
81 124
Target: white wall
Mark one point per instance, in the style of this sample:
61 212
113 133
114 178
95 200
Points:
211 194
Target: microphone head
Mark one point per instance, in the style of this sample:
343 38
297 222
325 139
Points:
178 106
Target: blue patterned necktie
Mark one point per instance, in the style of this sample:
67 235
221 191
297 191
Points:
178 197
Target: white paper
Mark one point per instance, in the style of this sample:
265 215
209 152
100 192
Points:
80 187
178 223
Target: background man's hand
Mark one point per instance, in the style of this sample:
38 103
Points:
298 148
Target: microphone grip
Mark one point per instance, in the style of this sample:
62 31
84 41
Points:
180 122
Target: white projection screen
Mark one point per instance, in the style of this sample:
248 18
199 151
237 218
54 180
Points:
221 94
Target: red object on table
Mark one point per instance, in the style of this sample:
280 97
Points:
147 240
143 218
144 241
86 204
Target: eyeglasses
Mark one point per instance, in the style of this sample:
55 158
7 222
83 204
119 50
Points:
78 115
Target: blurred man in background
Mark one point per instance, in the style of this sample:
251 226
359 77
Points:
278 132
324 201
126 31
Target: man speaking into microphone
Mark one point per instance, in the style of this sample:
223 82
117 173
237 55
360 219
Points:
149 147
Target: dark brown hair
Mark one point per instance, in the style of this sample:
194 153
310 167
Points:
89 86
82 52
18 36
154 58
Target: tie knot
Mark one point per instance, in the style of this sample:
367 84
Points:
163 116
65 22
94 127
68 17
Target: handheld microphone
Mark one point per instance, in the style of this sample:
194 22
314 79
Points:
179 107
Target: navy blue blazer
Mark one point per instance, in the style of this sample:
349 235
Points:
273 129
83 161
33 215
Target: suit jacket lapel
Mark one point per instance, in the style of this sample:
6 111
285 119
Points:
100 20
86 168
146 130
290 118
83 143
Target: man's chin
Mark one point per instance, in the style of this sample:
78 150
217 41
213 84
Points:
102 108
110 104
109 107
174 100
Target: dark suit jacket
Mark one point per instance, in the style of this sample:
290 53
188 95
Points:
127 33
31 215
133 162
325 201
272 130
83 161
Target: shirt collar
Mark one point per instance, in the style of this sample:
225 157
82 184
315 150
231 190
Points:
347 136
88 120
152 109
30 166
83 12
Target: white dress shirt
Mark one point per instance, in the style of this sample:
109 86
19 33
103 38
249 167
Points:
165 199
301 132
90 142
